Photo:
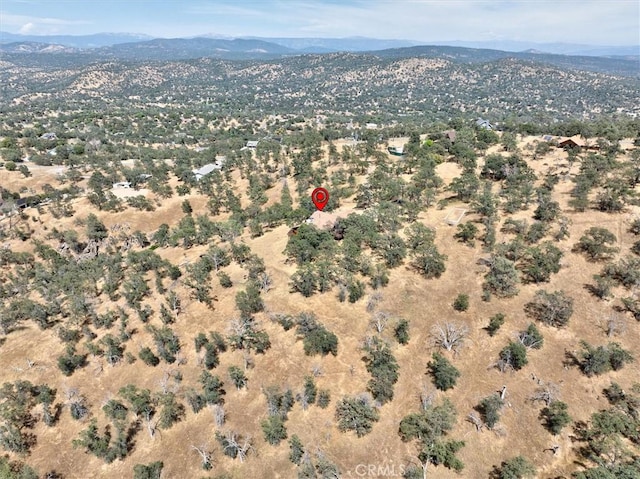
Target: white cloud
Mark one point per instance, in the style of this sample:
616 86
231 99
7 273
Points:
26 28
604 22
569 21
28 24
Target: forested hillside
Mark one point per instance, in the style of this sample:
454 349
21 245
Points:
173 305
429 86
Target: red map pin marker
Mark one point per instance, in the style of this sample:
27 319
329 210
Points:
320 198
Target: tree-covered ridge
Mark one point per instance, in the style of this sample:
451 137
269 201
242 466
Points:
223 297
331 84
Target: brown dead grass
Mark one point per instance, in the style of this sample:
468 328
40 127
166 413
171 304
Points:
423 302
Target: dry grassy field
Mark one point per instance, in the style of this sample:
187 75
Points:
29 353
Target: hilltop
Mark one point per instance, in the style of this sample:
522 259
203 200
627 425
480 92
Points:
433 85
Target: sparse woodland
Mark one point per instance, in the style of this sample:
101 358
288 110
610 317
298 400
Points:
202 327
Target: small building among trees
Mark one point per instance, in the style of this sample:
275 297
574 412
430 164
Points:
484 124
573 142
396 150
206 169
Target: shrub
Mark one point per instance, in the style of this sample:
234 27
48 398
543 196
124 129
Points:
274 430
196 401
547 210
151 471
315 337
225 280
148 357
555 416
324 398
602 287
279 403
466 233
514 355
401 331
461 303
296 450
356 414
502 278
489 408
444 373
78 409
595 361
595 243
516 468
494 324
356 290
383 367
238 378
310 389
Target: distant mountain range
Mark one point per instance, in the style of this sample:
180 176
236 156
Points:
77 41
327 45
160 49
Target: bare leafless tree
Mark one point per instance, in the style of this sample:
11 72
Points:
219 414
71 393
239 326
367 342
475 419
373 300
380 320
150 423
449 335
247 360
303 399
264 282
164 382
316 370
217 257
614 325
504 363
427 396
529 340
547 392
242 446
174 302
205 455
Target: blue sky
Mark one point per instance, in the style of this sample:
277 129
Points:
596 22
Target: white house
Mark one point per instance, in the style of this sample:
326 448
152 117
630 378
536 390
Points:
206 169
122 184
484 124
